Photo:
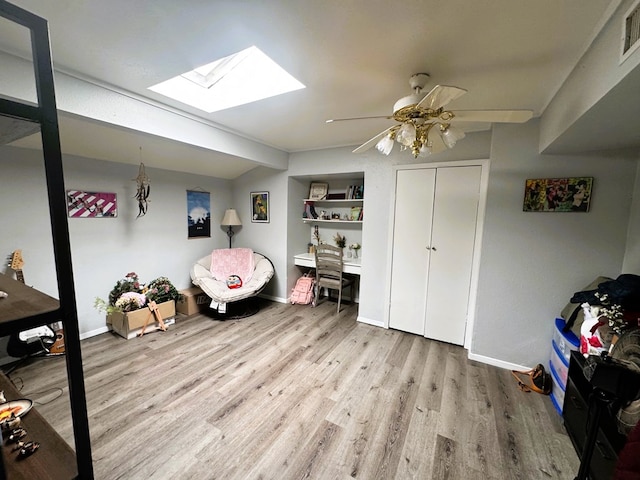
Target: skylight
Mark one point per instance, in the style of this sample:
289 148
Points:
244 77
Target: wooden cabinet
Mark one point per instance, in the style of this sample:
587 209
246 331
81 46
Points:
609 441
26 307
435 226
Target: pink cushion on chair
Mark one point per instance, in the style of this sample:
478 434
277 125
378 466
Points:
232 261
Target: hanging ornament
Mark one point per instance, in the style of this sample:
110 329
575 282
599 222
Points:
143 190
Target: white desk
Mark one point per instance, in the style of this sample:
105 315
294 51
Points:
349 265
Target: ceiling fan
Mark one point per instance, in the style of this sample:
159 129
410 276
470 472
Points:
424 126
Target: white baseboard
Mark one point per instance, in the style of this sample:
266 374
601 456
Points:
495 362
274 299
368 321
93 333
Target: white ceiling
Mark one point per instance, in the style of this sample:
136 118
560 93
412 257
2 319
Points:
354 56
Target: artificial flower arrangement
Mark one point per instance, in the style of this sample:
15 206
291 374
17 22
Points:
355 247
340 240
129 294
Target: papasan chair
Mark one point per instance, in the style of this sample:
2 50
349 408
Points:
229 276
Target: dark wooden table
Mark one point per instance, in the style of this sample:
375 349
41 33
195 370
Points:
53 460
25 308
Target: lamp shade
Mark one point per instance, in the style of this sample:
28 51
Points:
230 218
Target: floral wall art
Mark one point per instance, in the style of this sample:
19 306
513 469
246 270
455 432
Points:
571 194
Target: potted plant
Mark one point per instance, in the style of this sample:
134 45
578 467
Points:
126 309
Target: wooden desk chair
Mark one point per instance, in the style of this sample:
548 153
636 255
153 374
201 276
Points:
329 272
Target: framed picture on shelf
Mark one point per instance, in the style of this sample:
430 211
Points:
318 191
571 194
259 207
356 213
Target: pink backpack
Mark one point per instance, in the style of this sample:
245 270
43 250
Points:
302 293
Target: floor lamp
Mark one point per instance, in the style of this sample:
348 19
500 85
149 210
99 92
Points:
230 220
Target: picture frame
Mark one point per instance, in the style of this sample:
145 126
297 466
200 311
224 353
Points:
83 204
259 207
570 194
318 191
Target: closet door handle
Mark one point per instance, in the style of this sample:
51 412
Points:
431 248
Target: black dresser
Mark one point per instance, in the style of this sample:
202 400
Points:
576 414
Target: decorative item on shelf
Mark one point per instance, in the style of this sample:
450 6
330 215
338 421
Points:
316 234
356 213
318 191
230 220
340 240
355 192
355 247
309 210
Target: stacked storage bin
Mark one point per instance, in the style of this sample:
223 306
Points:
561 346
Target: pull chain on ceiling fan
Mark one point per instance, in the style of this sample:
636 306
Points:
424 126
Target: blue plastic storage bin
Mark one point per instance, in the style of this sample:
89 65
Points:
565 341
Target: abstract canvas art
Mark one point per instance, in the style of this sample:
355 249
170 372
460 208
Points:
81 204
571 194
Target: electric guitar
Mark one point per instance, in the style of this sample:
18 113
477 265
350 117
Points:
53 341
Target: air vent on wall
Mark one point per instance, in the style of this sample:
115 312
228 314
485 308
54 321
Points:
631 39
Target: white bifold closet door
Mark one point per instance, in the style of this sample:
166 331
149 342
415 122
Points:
434 232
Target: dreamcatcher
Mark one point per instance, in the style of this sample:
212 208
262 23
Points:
143 190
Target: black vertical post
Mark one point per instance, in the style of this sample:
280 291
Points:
46 114
61 244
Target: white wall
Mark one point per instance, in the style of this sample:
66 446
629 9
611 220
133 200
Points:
597 72
105 250
104 103
378 180
533 262
631 262
267 238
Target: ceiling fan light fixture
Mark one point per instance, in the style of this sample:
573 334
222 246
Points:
406 134
385 145
450 135
425 150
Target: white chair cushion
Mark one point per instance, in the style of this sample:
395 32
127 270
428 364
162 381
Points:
218 290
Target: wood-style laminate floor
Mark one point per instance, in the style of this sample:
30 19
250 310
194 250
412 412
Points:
297 392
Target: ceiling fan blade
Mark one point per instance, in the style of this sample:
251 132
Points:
332 120
491 116
440 95
370 143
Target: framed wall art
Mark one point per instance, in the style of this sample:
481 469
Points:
572 194
81 204
198 214
318 191
260 207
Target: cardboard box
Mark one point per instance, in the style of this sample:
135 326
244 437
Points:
193 301
129 324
